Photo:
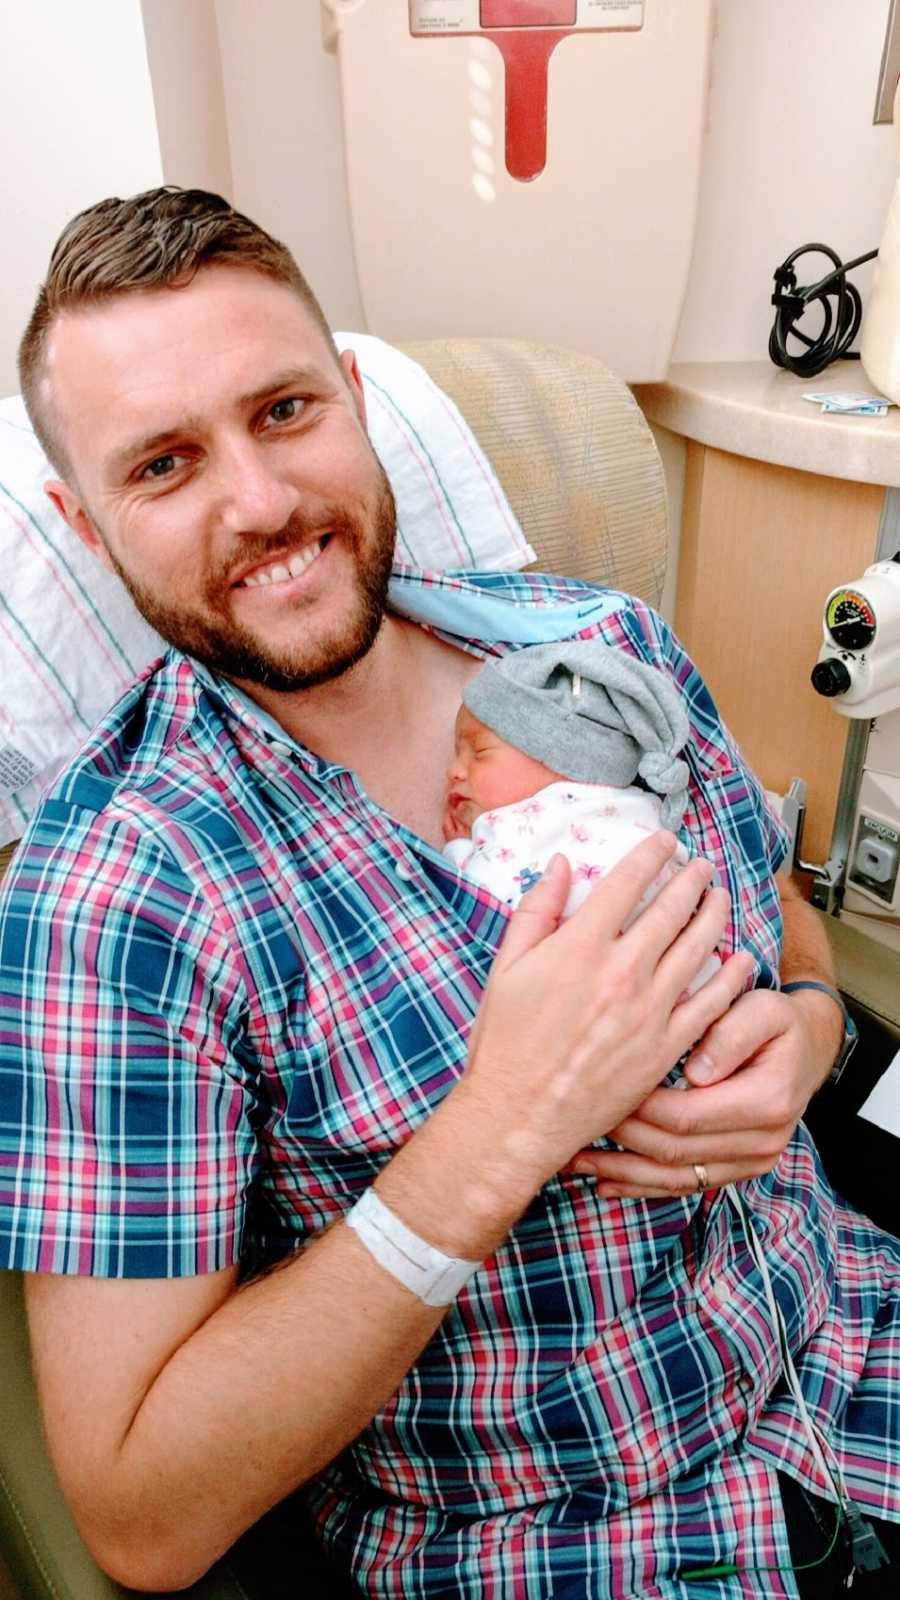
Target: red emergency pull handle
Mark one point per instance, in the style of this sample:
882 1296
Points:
526 53
526 32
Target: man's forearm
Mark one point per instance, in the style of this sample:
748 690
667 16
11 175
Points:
806 954
283 1374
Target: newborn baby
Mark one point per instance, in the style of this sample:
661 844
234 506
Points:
549 742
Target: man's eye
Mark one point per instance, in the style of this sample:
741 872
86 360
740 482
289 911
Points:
161 467
285 410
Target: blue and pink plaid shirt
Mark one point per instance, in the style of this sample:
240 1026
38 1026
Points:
232 987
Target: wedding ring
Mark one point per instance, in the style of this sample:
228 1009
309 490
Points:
702 1176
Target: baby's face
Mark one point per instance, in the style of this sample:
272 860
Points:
486 772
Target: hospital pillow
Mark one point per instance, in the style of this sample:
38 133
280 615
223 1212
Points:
70 638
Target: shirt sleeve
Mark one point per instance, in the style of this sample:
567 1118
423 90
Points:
126 1091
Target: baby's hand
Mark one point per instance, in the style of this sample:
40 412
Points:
457 823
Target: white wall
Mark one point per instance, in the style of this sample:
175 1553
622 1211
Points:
791 155
284 126
76 124
186 73
791 152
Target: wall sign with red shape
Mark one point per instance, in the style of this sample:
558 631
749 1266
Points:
526 32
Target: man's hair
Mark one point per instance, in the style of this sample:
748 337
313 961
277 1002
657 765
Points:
159 239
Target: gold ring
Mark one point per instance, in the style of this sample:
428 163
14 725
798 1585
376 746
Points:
702 1176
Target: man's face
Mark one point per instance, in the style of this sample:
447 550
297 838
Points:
223 470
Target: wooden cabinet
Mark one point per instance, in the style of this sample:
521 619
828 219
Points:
761 546
781 504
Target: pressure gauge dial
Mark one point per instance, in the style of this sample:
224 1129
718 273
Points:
850 619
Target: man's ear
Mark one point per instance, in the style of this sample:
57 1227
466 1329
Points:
354 382
70 508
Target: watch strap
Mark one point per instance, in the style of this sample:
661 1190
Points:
434 1277
849 1041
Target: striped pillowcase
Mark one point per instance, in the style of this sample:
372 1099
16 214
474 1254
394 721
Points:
70 637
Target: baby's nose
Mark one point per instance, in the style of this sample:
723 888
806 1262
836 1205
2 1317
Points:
455 771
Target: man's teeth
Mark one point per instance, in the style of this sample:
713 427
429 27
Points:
279 572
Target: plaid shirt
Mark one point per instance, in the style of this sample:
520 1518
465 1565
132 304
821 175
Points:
233 986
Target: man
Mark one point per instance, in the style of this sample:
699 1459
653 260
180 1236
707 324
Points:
240 988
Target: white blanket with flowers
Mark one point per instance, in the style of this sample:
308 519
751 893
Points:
592 824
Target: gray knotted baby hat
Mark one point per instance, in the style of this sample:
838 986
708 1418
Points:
589 712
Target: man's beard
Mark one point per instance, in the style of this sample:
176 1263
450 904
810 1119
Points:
230 648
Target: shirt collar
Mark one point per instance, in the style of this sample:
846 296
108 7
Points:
499 608
477 611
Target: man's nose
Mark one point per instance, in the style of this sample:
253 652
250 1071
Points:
253 495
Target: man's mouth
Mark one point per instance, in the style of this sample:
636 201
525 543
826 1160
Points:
284 567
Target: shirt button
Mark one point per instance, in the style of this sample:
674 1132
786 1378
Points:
404 871
722 1291
284 751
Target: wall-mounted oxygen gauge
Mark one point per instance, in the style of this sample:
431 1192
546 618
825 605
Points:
850 620
858 668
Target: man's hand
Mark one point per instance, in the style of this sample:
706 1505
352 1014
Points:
750 1079
750 1082
578 1025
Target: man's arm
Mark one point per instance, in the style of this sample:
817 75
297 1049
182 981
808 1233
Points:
752 1077
178 1411
806 953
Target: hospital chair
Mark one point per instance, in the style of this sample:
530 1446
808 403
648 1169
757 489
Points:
580 468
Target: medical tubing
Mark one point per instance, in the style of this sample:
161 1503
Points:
867 1553
818 1443
841 320
730 1569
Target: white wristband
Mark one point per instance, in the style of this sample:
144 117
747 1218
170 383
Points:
435 1278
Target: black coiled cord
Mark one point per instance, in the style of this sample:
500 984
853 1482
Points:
841 320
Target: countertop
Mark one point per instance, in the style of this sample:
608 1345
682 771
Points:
752 408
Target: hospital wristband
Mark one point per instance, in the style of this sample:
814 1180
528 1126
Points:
432 1276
